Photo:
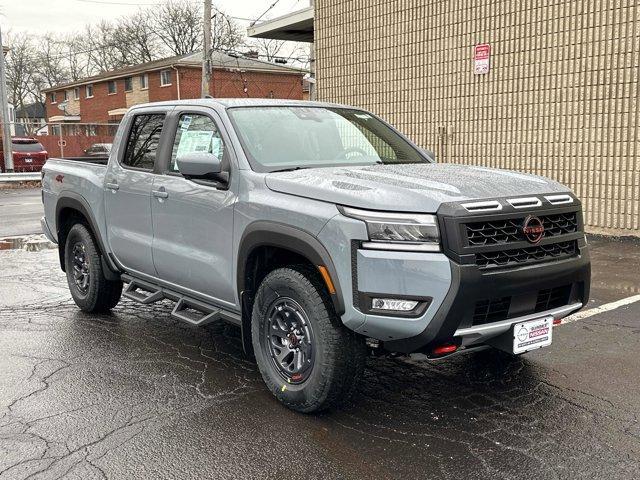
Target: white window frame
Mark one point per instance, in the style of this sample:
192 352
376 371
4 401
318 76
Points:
115 84
65 95
53 97
76 93
86 90
162 84
130 79
144 81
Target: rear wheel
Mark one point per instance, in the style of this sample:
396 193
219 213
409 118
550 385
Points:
307 358
89 288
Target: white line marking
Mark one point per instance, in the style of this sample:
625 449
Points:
601 309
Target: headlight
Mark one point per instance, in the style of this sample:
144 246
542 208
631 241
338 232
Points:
398 231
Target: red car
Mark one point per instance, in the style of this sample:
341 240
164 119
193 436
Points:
28 155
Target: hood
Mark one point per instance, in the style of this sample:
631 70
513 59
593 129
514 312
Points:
408 187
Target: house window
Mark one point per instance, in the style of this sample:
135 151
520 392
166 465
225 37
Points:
89 91
76 93
55 130
165 78
128 84
111 87
52 97
66 95
144 81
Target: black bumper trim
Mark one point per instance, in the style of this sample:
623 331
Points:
470 284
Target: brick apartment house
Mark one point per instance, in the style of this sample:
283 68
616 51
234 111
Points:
105 98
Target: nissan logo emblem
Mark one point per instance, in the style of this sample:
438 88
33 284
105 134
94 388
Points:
533 229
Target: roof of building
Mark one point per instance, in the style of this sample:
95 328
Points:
296 26
220 60
33 110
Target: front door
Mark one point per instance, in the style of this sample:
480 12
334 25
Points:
127 196
193 222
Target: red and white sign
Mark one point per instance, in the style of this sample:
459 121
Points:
481 58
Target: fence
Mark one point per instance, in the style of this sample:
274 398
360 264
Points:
73 140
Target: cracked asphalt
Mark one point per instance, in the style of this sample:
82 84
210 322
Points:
136 394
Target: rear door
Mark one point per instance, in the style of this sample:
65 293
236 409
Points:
193 221
128 186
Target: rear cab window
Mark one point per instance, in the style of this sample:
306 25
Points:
143 141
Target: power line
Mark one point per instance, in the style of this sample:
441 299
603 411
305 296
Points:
265 12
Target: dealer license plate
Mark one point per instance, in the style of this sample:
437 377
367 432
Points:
532 334
28 160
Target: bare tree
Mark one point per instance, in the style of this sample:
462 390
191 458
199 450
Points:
19 70
226 33
135 40
178 26
267 48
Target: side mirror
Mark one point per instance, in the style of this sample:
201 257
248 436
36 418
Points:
430 154
202 166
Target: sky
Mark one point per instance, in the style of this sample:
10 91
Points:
37 16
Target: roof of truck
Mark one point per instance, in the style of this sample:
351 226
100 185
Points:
245 102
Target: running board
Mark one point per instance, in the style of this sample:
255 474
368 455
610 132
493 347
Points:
195 313
187 309
143 292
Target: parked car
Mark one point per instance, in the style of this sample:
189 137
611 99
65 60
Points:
28 155
320 231
98 150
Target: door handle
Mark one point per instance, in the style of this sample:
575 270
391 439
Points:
160 194
112 186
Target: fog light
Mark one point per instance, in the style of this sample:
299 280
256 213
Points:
393 304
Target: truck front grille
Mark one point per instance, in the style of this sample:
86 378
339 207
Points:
501 232
516 256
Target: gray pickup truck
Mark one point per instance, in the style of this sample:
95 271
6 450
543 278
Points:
319 230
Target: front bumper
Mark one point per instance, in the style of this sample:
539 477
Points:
456 318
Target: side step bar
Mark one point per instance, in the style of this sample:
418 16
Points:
187 309
142 292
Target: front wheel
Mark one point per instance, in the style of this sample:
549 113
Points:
307 358
89 288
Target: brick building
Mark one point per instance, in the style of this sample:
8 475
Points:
560 97
106 97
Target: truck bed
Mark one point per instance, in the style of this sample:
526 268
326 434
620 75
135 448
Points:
85 178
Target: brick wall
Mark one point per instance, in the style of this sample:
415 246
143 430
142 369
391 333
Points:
561 99
225 84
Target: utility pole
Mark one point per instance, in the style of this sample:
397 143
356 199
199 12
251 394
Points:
206 54
7 147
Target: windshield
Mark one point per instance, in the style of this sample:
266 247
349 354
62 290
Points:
283 138
27 146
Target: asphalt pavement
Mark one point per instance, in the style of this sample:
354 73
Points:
20 211
136 394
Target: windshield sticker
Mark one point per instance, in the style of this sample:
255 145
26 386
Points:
186 122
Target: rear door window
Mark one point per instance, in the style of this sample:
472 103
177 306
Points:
196 134
27 146
143 141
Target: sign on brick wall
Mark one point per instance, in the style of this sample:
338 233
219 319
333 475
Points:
481 54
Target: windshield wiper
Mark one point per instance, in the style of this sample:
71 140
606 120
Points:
291 169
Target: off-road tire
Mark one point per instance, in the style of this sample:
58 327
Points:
101 295
340 354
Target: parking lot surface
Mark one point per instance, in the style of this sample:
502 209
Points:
136 394
20 211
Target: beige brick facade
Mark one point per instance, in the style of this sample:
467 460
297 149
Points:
560 100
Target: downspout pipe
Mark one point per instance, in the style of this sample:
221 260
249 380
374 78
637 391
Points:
177 80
